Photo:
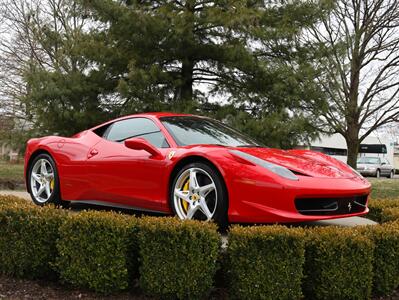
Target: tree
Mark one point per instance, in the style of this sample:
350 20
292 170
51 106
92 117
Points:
81 61
247 53
45 72
361 42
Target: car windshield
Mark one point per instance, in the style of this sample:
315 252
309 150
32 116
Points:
189 130
369 160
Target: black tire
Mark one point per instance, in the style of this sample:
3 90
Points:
378 173
55 197
220 214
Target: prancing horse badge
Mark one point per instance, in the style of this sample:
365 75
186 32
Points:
171 154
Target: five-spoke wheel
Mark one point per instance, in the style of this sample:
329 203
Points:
43 180
199 193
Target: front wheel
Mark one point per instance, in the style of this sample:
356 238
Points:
378 174
198 192
391 174
43 181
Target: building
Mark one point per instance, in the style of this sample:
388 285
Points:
373 145
7 152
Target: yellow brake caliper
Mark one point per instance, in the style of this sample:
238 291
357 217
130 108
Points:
185 189
52 184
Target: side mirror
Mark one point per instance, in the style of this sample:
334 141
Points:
383 163
142 144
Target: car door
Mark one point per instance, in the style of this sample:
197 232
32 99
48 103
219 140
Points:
128 177
385 167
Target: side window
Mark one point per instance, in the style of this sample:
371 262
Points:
136 127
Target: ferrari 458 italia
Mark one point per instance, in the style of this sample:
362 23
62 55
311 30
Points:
193 167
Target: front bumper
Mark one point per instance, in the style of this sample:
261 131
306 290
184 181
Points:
261 201
367 172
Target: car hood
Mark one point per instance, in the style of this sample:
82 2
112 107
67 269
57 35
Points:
303 162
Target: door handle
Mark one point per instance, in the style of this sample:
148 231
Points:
92 153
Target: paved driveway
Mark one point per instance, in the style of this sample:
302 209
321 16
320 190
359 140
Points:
20 194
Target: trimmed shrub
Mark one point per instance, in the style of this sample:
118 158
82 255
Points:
377 208
28 238
265 262
338 264
177 258
8 201
386 257
390 214
97 250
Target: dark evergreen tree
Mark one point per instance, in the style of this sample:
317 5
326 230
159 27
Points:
94 59
161 55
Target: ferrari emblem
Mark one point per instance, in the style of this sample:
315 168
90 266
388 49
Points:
171 154
349 206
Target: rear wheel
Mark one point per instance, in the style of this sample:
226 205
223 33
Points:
198 192
43 181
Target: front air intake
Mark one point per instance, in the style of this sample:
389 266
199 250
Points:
331 206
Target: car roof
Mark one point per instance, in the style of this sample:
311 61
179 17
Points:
158 114
147 114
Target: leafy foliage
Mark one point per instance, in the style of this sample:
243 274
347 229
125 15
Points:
28 237
386 253
177 259
106 252
234 59
98 250
265 262
338 264
383 210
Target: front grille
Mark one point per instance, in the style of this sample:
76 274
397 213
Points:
331 206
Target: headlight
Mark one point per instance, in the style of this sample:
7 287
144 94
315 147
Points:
356 172
279 170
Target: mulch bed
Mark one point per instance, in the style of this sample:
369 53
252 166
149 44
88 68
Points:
12 288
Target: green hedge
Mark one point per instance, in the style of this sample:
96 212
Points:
265 262
177 259
28 238
338 264
7 201
107 252
386 257
377 209
390 214
98 250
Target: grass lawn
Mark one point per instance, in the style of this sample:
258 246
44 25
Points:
384 188
11 173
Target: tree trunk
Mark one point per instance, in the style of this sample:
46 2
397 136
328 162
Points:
186 88
352 143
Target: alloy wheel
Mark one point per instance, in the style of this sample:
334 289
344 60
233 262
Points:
42 180
195 195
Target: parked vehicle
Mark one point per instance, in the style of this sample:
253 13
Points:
193 167
375 166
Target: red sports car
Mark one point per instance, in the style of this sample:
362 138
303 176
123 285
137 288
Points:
194 167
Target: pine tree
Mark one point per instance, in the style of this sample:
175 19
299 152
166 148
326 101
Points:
245 52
